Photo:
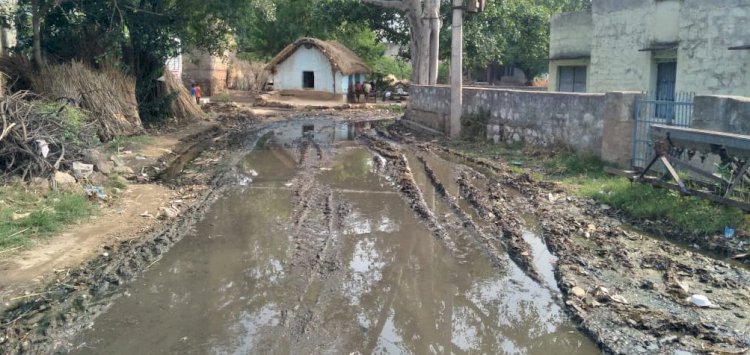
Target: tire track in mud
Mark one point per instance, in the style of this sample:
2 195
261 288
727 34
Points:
396 166
617 327
486 241
503 220
506 223
316 260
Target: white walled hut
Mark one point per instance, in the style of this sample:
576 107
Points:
313 68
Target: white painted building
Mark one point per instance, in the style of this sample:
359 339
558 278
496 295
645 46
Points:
314 68
662 46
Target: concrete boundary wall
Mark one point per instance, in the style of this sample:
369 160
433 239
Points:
600 124
722 113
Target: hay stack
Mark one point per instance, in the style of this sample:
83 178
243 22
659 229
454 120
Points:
108 94
183 107
247 76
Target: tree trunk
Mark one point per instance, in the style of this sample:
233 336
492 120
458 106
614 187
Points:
424 28
433 13
36 25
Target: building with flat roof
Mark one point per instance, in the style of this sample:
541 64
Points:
659 46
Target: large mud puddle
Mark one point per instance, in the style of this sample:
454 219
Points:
314 251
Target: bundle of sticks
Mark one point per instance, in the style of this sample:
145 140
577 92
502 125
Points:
37 137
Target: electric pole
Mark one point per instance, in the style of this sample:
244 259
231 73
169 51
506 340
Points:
457 45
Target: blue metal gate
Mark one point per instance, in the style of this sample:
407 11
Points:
656 108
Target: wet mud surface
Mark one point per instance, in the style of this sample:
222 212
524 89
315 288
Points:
323 252
321 235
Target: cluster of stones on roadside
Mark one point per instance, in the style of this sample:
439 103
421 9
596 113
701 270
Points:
94 170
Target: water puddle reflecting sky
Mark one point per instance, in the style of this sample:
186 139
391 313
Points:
232 286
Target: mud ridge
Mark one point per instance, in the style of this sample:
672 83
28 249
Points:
619 295
397 168
506 224
488 242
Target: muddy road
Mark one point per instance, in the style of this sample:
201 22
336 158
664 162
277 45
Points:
325 236
316 250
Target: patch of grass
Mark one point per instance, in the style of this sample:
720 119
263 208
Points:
396 108
222 97
644 201
584 175
115 181
568 164
37 216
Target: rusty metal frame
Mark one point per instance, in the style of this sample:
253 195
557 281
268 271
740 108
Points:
666 138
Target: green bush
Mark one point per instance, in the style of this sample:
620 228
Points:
75 123
222 97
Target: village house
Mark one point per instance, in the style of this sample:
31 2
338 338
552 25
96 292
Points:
207 70
319 69
659 46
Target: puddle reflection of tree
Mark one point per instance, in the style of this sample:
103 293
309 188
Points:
258 218
354 170
424 293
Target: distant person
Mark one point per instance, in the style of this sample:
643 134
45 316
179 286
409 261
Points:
358 90
350 93
367 90
192 90
198 94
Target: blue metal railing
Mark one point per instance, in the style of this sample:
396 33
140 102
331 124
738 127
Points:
675 110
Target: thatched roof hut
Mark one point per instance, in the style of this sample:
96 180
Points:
317 69
342 59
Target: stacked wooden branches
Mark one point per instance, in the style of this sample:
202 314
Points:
108 94
247 76
37 138
183 106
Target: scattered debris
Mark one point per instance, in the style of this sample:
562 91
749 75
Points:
700 301
82 171
578 292
95 191
168 212
729 232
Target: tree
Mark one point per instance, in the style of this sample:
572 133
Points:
362 28
423 17
137 35
514 32
39 10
